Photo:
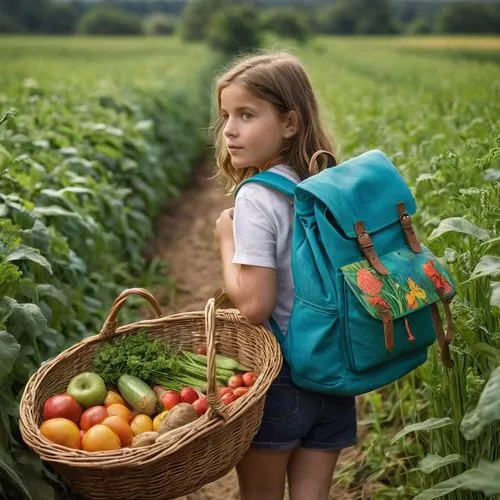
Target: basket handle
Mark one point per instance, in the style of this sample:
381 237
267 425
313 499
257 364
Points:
217 407
108 329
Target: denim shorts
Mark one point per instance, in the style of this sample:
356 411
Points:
294 417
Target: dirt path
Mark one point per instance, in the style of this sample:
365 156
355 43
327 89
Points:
184 238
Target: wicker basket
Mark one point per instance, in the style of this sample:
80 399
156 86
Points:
197 453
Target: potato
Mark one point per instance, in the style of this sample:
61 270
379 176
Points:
181 414
144 439
174 435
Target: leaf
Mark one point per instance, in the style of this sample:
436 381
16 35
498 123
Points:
47 290
433 462
9 349
484 349
10 473
76 189
489 265
486 411
484 477
495 294
22 252
53 211
427 425
459 225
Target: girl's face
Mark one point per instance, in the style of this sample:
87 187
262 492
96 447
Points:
253 130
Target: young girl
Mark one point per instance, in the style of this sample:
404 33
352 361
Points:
269 120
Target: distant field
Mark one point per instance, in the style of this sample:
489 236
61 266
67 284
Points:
80 60
451 43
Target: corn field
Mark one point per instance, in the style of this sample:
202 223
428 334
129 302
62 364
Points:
95 133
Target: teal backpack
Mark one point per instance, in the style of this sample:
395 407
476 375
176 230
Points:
366 290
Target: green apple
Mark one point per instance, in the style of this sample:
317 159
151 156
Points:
88 389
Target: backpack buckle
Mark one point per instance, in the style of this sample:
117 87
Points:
406 225
366 246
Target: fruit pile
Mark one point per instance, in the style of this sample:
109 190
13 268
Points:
93 417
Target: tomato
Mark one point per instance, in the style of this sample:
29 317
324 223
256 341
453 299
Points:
228 398
249 378
62 431
170 399
113 397
235 381
201 405
120 410
120 427
201 349
100 438
63 406
188 395
240 391
225 390
92 416
141 423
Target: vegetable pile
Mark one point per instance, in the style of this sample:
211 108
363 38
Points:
157 363
140 390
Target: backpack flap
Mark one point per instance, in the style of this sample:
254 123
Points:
415 280
410 292
366 188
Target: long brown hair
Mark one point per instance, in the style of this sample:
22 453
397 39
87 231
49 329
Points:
280 79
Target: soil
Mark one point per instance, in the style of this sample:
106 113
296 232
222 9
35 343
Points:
184 238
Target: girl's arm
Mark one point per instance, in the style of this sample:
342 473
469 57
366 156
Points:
252 289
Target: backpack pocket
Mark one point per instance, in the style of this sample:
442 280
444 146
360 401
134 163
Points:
415 281
313 346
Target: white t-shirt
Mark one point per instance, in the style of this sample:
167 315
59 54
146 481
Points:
263 223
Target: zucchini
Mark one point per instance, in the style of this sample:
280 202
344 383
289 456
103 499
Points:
138 394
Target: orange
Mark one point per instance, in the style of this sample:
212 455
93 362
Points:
141 423
113 397
62 431
120 427
120 410
100 438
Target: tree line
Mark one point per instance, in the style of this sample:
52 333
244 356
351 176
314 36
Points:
197 19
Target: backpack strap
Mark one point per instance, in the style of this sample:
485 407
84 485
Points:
272 180
283 185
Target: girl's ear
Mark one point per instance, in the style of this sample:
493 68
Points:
290 124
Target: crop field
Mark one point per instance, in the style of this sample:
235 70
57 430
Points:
439 120
97 134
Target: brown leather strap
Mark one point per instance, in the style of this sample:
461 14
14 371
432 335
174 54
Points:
386 316
366 246
450 325
409 232
313 165
442 339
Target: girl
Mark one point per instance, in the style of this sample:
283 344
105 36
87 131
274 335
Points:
268 119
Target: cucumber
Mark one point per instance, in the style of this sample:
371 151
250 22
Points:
138 394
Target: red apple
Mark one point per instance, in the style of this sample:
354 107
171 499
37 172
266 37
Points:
62 406
188 395
170 398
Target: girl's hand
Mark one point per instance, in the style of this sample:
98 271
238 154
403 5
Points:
224 225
